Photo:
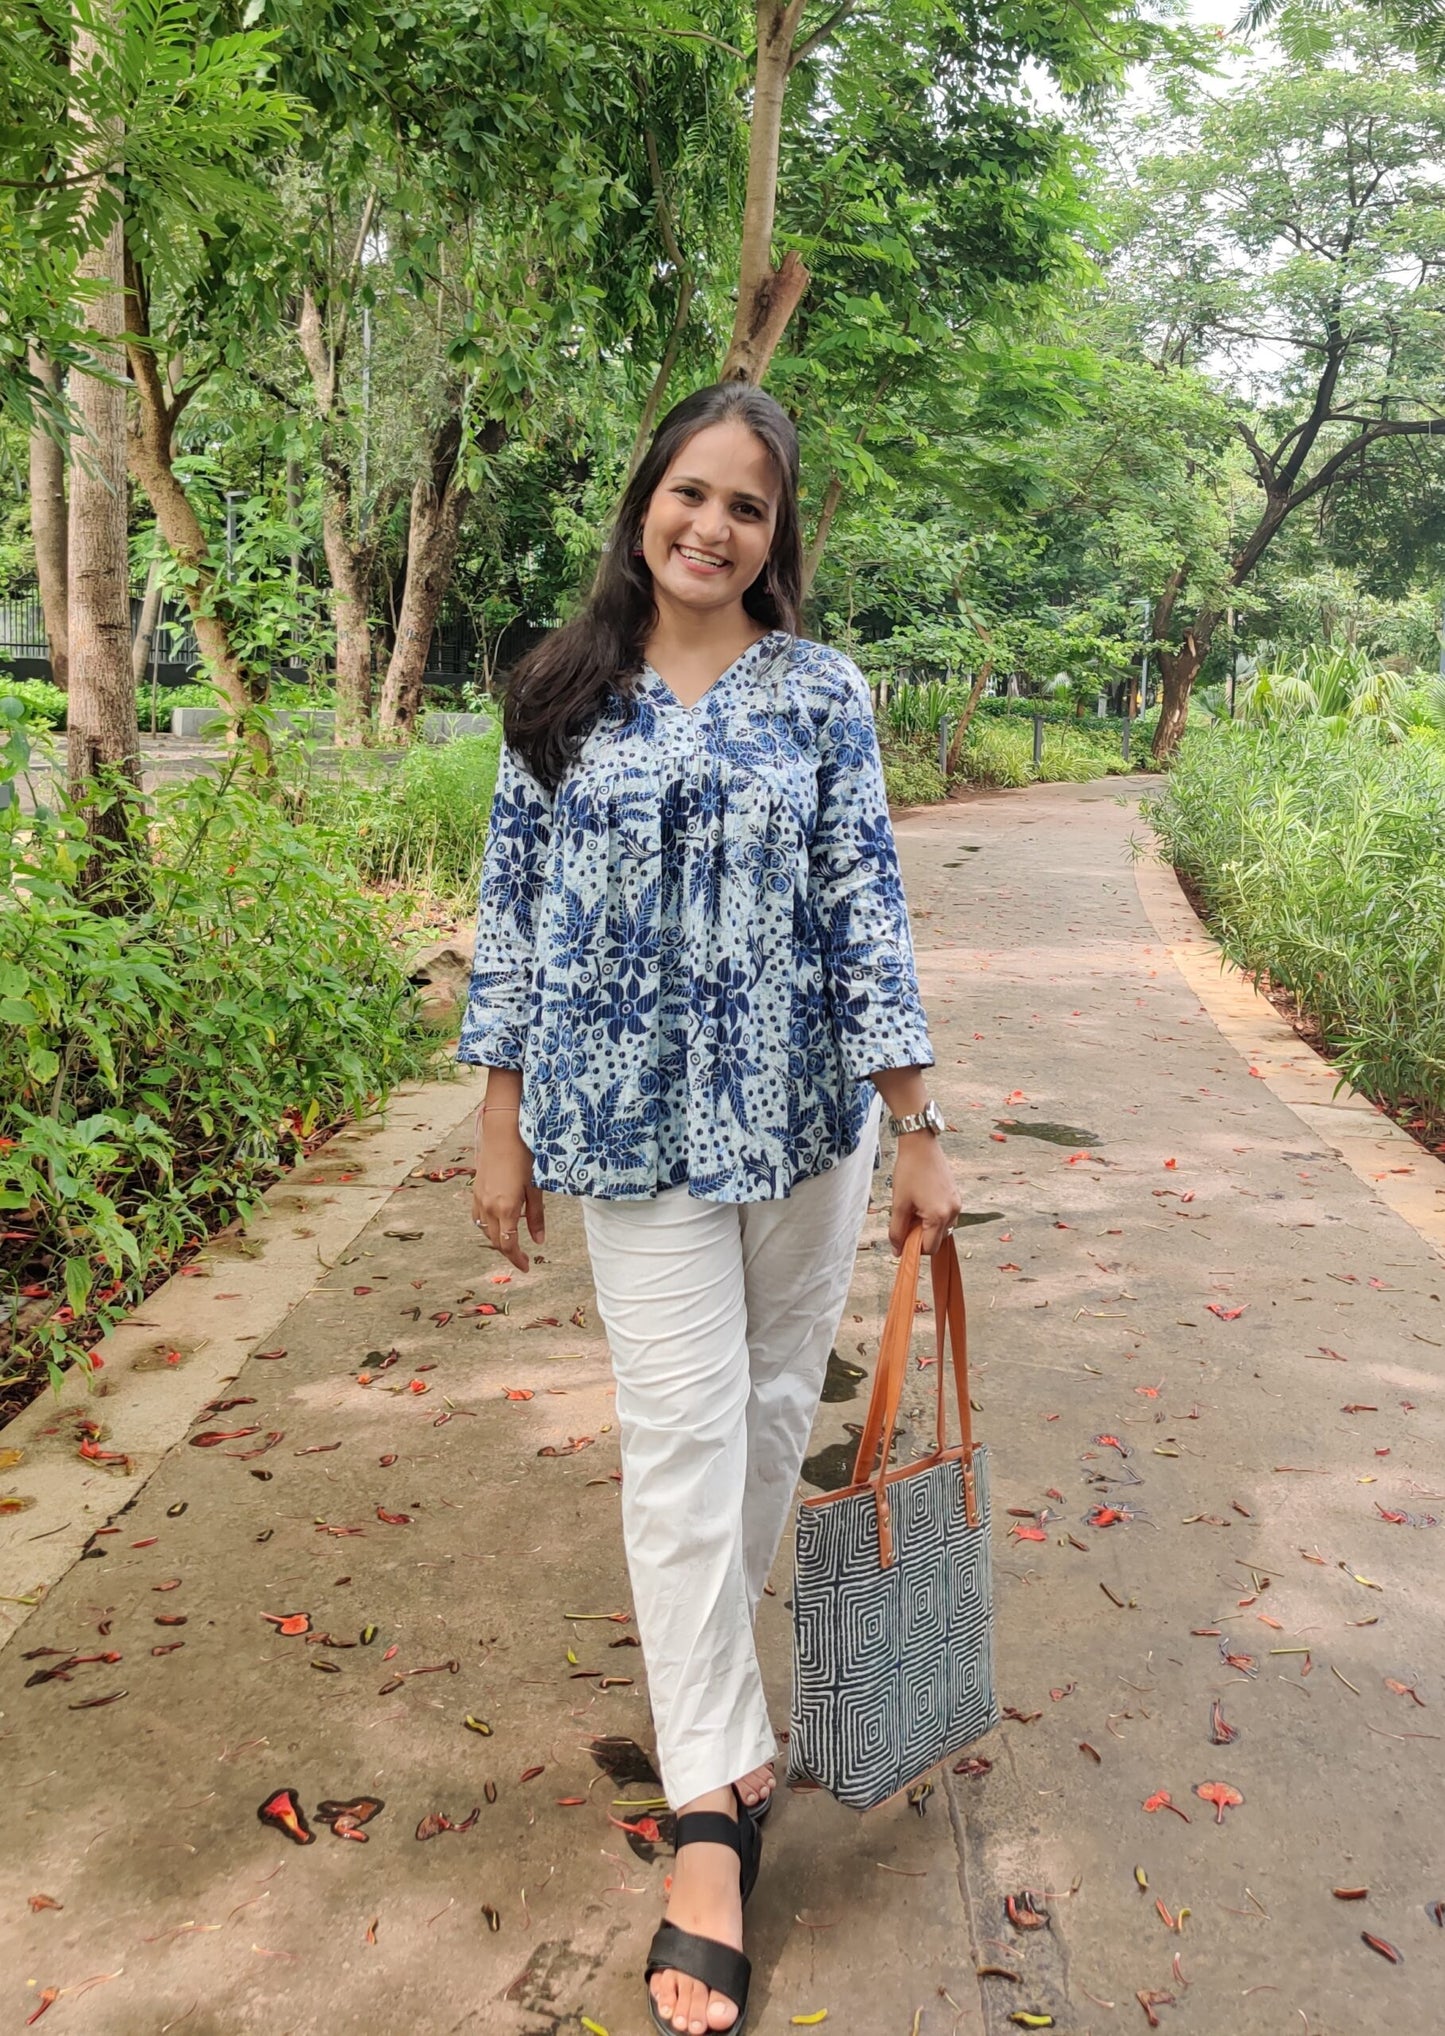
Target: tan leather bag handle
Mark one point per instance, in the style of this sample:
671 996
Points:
951 1335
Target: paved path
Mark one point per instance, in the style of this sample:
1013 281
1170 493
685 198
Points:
1105 1273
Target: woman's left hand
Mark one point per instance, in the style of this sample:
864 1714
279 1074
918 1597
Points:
923 1186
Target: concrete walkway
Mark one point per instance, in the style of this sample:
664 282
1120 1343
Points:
1161 1252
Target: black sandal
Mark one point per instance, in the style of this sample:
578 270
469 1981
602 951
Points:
716 1966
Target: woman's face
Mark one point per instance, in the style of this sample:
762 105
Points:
710 523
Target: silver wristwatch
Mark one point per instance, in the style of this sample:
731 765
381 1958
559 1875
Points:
929 1118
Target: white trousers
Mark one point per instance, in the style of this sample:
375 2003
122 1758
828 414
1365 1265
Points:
719 1317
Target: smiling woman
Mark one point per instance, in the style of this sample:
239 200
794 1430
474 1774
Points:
708 530
694 982
704 555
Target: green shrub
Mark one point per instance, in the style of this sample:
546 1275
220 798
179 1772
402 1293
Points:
46 705
997 755
157 1061
911 776
196 693
415 821
1320 859
43 703
1001 752
1055 712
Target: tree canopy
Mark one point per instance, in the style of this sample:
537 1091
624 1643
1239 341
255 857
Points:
1092 344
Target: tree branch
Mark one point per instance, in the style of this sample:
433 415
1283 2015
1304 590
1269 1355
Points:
821 35
338 344
272 389
1417 427
1264 465
664 210
680 34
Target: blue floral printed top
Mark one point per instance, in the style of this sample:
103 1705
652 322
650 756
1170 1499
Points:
697 950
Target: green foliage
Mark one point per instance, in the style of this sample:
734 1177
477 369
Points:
1000 752
155 1066
43 703
920 710
1343 688
271 617
166 108
911 776
1320 859
416 825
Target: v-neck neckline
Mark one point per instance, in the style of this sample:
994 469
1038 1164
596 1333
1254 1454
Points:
692 707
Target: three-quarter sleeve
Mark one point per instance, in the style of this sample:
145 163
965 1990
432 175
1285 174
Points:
856 894
499 1004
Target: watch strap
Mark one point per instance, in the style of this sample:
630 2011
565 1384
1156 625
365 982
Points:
929 1118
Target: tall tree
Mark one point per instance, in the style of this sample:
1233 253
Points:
49 517
842 43
1288 238
352 518
104 738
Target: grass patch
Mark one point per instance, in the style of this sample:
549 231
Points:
414 823
1000 752
1319 859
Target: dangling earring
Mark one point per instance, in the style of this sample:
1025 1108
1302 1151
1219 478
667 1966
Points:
637 551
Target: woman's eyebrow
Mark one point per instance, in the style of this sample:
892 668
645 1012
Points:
744 494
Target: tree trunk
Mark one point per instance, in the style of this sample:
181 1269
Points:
960 734
350 562
438 502
817 544
350 567
48 519
150 612
152 465
685 293
686 289
767 296
1178 670
104 737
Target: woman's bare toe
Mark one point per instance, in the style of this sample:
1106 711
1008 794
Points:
757 1785
687 2004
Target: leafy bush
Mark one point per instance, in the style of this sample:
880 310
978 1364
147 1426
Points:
911 776
1002 753
1343 687
918 710
43 703
156 1061
46 705
284 693
1320 860
1055 712
997 755
414 820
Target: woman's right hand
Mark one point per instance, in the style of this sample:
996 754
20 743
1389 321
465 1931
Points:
502 1189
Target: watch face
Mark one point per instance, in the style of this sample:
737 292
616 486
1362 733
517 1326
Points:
933 1117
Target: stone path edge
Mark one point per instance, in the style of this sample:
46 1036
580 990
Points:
1398 1171
236 1296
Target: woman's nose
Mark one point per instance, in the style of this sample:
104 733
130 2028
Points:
711 523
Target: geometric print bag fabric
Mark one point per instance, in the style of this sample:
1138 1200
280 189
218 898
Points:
892 1592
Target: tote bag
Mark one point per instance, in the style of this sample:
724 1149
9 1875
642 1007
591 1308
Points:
892 1593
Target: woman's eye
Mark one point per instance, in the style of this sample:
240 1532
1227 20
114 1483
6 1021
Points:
746 509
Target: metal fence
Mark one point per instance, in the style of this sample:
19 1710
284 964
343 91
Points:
23 643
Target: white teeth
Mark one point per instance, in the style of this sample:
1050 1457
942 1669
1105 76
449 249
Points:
702 558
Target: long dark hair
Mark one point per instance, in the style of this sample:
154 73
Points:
558 690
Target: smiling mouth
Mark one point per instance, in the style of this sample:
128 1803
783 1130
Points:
700 558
